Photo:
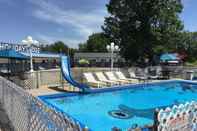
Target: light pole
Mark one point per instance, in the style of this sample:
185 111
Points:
112 48
29 41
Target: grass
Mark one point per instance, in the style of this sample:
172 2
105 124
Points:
192 63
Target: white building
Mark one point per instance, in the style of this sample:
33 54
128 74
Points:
98 58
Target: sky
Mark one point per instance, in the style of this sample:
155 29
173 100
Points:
70 21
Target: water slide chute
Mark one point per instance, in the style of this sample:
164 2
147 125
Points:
66 73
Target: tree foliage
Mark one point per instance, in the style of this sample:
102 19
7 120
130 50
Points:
96 43
144 28
57 47
190 45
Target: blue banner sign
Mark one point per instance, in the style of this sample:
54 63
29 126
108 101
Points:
19 47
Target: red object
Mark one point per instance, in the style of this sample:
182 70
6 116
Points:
182 56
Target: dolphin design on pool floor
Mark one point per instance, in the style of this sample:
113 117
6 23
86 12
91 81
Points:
146 113
189 87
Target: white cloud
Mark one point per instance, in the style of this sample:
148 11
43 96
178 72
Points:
82 23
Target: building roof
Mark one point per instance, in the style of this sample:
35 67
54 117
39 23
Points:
21 51
12 54
24 55
94 55
169 57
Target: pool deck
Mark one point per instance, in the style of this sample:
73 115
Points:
53 90
49 90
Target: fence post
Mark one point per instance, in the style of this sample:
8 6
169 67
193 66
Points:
61 79
3 91
38 79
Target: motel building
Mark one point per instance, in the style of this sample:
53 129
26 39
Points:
15 58
98 59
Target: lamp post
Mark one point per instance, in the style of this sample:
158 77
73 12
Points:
29 41
112 48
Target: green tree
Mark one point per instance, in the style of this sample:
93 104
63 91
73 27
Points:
143 28
190 45
57 47
83 47
96 43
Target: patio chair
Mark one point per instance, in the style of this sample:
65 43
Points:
140 77
92 81
152 73
101 77
111 77
154 77
121 76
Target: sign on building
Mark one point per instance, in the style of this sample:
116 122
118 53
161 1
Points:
18 47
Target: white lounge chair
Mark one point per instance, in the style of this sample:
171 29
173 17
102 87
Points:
132 75
140 78
121 76
151 73
102 78
112 77
92 81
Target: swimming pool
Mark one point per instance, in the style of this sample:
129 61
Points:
132 105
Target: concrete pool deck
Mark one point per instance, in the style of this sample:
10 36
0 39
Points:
53 90
50 90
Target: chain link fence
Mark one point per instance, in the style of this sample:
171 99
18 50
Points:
28 113
178 118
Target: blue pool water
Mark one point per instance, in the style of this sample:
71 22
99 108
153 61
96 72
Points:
137 104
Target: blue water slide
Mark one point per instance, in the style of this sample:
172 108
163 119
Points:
66 72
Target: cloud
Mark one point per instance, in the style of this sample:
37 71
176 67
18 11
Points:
82 23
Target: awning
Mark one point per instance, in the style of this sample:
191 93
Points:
23 55
173 62
169 57
12 54
42 55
